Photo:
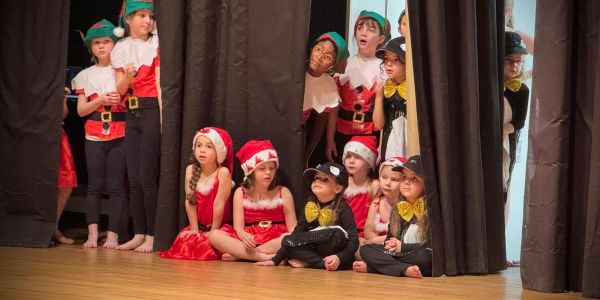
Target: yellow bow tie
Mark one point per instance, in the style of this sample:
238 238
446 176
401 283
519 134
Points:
514 84
312 211
390 88
407 210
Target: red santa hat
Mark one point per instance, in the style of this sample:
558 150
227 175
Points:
394 162
222 142
365 146
254 153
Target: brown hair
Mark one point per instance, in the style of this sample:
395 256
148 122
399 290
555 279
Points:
196 170
369 22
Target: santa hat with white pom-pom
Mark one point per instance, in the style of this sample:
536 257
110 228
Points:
129 7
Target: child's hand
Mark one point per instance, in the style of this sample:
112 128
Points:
130 71
268 263
330 150
190 232
392 245
247 239
332 262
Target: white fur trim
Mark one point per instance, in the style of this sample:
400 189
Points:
133 51
352 191
95 80
362 150
119 31
217 141
205 187
258 158
362 72
392 162
320 93
263 204
380 226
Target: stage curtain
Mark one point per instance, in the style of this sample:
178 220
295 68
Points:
458 62
234 64
561 232
33 60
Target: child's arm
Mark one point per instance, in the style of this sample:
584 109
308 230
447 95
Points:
370 222
288 209
347 222
221 198
190 208
238 219
330 148
124 78
378 116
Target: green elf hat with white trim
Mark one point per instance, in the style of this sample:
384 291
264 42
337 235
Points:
129 7
340 44
102 28
373 15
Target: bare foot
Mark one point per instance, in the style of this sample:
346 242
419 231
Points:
297 263
61 239
260 256
92 241
147 246
413 272
359 266
228 257
112 240
135 242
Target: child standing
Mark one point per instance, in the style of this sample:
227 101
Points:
135 59
263 211
207 188
376 226
104 133
390 101
326 236
67 177
406 250
357 86
320 91
360 159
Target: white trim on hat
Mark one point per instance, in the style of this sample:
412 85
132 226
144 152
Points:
392 162
258 158
217 141
361 150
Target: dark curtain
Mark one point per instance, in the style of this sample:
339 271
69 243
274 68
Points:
561 232
238 65
457 67
33 59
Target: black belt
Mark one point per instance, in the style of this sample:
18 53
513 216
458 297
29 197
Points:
355 116
204 228
264 224
134 102
108 116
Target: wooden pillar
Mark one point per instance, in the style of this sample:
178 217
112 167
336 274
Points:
411 104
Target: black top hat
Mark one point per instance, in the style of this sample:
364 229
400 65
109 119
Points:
512 44
329 168
395 45
413 164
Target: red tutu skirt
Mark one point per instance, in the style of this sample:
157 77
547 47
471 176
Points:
67 177
261 234
193 247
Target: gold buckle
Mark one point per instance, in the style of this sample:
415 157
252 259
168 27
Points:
358 117
106 116
265 224
133 102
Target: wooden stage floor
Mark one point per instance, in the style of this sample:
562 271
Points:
71 272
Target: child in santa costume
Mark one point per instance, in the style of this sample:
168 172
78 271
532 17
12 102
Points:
104 134
357 86
360 160
207 188
320 91
67 177
263 210
137 65
378 218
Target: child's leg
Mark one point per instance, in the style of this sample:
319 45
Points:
92 241
379 262
95 157
271 247
61 202
307 256
136 196
227 244
361 242
115 186
149 171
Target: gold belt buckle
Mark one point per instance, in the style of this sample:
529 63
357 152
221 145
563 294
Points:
358 117
133 102
264 224
105 117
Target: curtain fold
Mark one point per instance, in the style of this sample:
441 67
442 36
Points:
238 65
561 228
457 67
33 57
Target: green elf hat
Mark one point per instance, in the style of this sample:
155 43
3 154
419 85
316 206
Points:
373 15
340 44
129 7
102 28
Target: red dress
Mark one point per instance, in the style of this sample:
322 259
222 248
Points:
265 219
359 201
198 247
67 177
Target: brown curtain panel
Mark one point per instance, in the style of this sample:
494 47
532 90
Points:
457 67
237 65
33 60
561 228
